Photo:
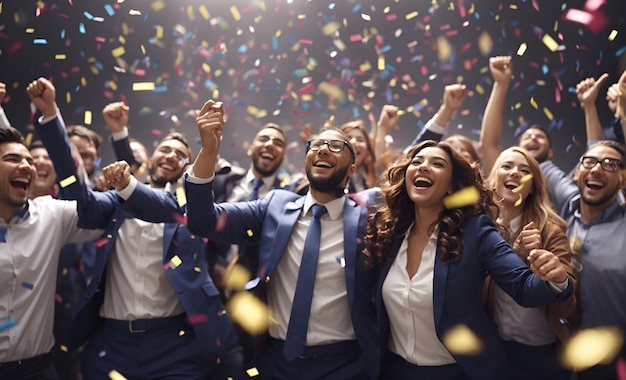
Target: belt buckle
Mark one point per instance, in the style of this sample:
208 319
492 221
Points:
132 330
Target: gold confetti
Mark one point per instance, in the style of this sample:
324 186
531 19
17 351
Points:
533 103
252 372
235 12
87 119
461 198
60 57
118 52
143 86
181 333
381 62
411 15
590 347
68 181
613 34
550 42
197 269
237 277
522 49
114 375
63 348
460 340
250 233
175 262
519 201
250 312
181 196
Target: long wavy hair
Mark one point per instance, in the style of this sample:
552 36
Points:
368 167
537 207
396 212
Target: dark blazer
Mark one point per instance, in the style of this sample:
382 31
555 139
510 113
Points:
196 291
271 221
457 292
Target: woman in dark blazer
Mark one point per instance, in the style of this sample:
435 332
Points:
433 261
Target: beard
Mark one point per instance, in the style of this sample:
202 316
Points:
602 199
160 181
263 171
331 185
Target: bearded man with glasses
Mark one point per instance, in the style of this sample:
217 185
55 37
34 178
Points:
596 219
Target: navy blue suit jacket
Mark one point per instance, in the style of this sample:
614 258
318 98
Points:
195 289
271 221
457 294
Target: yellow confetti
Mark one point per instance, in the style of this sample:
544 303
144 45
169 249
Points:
237 277
590 347
63 348
68 181
485 43
181 196
381 62
460 340
159 32
143 86
444 49
519 201
204 12
181 333
175 262
197 269
118 52
87 119
524 179
522 49
331 28
550 42
114 375
60 57
250 233
461 198
612 35
29 137
533 103
250 312
235 12
548 114
411 15
157 5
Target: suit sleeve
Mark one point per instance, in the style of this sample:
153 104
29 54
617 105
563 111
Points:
95 209
509 271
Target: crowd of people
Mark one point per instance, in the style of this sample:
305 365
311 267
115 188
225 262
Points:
367 261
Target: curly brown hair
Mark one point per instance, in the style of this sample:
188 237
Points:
396 212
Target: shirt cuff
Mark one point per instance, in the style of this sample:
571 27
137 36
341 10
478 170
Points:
126 192
559 287
199 181
121 135
434 127
4 121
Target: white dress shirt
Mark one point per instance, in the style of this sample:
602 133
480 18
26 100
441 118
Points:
409 304
137 286
29 255
329 320
243 189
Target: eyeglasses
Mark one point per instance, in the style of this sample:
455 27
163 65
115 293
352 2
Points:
334 145
608 164
275 140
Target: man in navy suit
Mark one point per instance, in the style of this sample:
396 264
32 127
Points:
151 310
340 338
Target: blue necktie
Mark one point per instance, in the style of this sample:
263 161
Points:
256 184
301 307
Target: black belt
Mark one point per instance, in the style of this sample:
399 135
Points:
330 349
36 362
144 325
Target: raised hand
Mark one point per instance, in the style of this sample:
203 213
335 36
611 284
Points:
454 95
116 116
587 90
501 68
389 117
117 174
42 94
546 265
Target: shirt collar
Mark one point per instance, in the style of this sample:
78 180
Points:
613 212
267 181
334 207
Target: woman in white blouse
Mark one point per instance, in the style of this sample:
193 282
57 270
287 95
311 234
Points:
433 261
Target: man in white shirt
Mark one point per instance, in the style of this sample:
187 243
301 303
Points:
32 233
151 309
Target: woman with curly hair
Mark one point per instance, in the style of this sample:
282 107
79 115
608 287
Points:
530 335
433 261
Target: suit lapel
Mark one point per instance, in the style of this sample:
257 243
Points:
283 234
439 287
168 236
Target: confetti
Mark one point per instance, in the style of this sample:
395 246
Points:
237 277
462 198
590 347
114 375
461 340
67 181
249 312
175 262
